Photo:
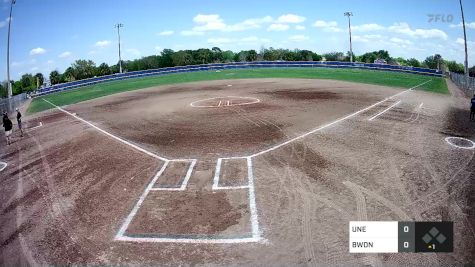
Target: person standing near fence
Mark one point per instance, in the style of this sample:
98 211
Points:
8 126
18 119
472 109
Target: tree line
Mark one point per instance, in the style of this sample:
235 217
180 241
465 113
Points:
83 69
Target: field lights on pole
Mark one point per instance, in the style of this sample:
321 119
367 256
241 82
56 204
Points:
9 85
465 43
118 26
349 14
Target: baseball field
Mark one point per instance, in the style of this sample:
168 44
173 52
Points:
253 167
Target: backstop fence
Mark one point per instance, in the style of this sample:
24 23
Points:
234 65
10 104
460 81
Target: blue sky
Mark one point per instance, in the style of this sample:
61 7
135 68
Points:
51 34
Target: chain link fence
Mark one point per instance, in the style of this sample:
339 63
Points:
10 104
459 80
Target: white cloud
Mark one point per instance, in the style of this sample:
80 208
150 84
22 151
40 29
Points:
208 22
367 27
214 22
248 24
359 38
49 62
102 44
191 33
166 33
158 48
400 41
3 23
92 52
300 27
278 27
298 38
290 18
37 51
65 54
462 42
470 25
404 28
331 26
34 69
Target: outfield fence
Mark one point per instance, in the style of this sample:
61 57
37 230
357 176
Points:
460 81
234 65
10 104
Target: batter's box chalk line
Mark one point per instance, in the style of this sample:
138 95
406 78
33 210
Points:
3 165
255 235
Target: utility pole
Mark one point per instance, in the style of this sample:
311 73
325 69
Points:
466 54
9 85
349 14
118 26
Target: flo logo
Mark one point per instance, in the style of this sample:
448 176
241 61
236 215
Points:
440 18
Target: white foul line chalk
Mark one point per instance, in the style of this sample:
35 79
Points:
384 111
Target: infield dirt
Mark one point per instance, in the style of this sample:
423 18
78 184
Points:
68 188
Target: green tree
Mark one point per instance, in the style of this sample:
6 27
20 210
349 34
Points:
103 69
316 57
69 75
83 69
40 79
3 91
251 55
334 56
413 62
17 88
166 59
54 77
182 58
217 54
432 62
455 67
228 56
27 82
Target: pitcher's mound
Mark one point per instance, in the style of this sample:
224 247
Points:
224 101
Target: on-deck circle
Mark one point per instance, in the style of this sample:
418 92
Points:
460 142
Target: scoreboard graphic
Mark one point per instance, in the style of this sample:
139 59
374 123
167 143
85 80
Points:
394 236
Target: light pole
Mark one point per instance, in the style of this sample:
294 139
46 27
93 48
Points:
9 86
349 14
118 26
466 54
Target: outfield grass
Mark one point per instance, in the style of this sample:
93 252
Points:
395 79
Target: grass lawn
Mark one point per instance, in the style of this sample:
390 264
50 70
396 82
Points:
386 78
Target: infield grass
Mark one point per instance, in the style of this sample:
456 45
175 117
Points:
386 78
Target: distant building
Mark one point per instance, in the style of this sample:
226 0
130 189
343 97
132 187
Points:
380 61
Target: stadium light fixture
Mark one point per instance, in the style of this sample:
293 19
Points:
9 84
118 26
349 14
465 42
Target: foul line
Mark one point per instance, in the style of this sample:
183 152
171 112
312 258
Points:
334 122
109 134
384 111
